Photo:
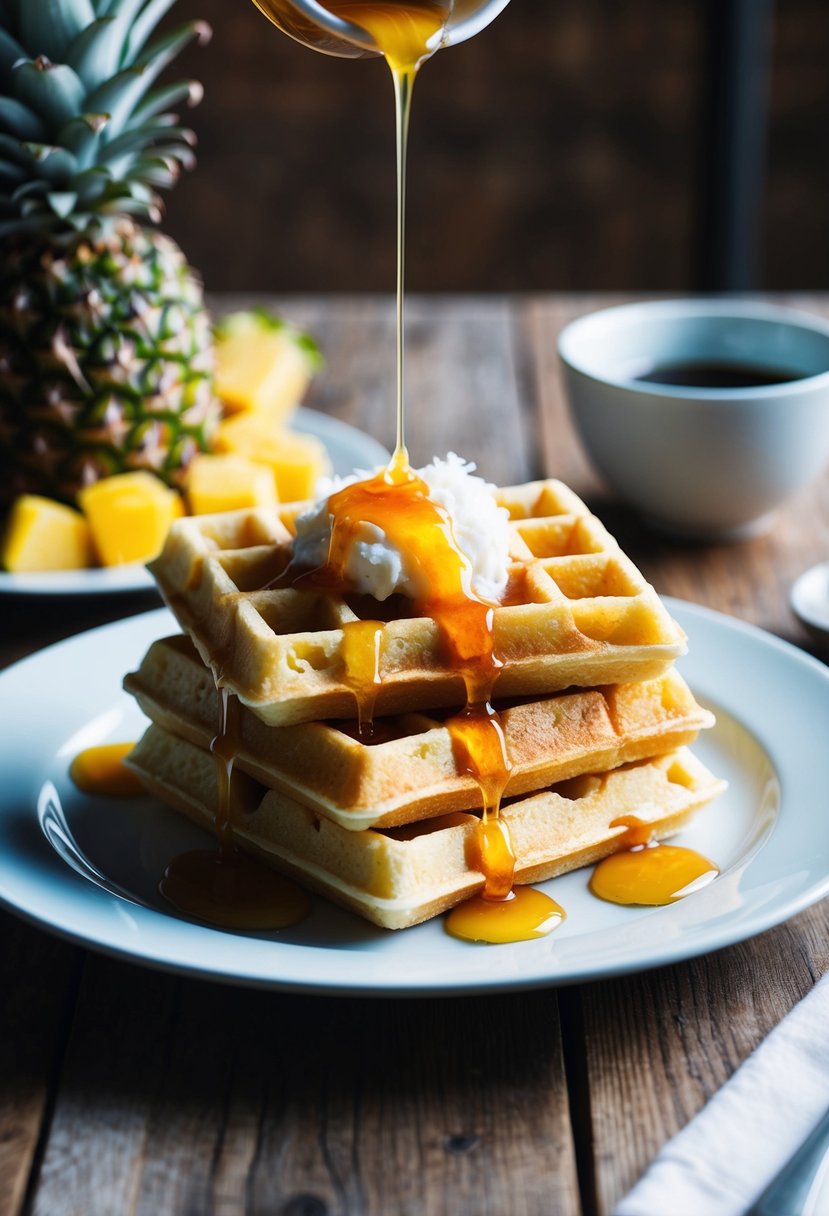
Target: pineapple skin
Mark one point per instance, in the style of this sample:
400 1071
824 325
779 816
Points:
106 360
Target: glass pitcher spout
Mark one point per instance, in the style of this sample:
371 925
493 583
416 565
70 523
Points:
329 30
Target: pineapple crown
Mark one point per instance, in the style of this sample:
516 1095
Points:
83 130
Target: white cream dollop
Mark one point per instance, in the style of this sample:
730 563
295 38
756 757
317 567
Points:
480 529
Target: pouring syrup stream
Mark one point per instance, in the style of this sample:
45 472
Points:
397 501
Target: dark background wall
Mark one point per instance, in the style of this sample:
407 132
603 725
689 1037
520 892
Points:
560 149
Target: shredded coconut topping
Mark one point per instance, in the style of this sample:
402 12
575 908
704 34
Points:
479 525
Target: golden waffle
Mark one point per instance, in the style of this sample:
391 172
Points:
577 612
404 875
409 772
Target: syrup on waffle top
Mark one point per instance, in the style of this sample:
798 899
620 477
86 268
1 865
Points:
400 876
576 612
407 770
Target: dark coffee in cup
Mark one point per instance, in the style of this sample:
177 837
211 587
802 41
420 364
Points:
717 375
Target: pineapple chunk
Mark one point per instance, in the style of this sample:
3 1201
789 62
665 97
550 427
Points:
130 515
228 483
45 535
262 364
296 461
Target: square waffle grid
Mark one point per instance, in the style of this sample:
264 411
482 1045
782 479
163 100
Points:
577 612
408 770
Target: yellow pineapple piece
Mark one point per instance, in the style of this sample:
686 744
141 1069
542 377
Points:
227 483
262 364
296 461
130 515
44 535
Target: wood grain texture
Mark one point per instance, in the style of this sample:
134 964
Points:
184 1097
659 1045
38 983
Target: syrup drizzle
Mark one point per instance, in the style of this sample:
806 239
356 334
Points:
407 34
223 886
648 873
362 650
397 502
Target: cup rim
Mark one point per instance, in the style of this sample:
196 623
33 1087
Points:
694 306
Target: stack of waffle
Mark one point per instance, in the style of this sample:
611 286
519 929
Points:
597 722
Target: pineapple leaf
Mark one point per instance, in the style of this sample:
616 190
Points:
143 137
89 185
48 26
97 51
180 153
161 52
28 189
19 120
10 52
52 90
81 136
122 205
119 96
124 10
11 172
62 203
31 206
154 172
114 8
139 191
144 25
189 91
54 164
82 118
16 150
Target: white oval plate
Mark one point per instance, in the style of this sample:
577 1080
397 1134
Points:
769 834
347 448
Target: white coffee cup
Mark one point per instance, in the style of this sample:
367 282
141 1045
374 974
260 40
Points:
709 462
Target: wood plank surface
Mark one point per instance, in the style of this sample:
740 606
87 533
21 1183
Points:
129 1091
38 983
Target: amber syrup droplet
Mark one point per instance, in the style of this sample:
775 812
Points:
481 752
361 652
101 770
648 873
524 915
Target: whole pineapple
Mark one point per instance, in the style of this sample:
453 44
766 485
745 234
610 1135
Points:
105 344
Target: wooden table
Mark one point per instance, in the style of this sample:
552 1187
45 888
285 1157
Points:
131 1091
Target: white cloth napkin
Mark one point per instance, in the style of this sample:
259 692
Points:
728 1154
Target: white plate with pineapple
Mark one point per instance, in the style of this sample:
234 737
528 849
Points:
263 450
347 449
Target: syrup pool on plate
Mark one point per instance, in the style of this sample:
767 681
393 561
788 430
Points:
645 872
223 886
101 770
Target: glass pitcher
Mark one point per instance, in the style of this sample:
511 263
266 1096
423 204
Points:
315 26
